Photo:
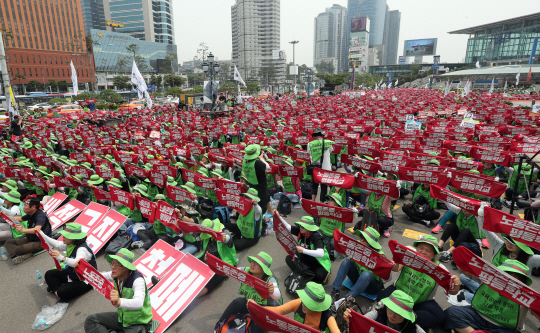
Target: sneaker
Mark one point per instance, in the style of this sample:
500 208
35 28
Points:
387 233
335 297
445 256
485 243
137 244
437 229
427 223
19 259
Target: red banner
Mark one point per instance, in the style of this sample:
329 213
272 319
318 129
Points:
136 171
475 183
166 215
79 170
332 178
222 268
53 203
158 260
101 195
146 207
123 197
438 178
87 273
404 256
360 163
501 282
494 157
340 214
220 159
206 183
166 170
520 230
107 173
44 244
364 255
274 322
178 194
188 175
187 227
376 185
231 187
68 182
283 235
125 157
460 201
39 182
291 171
361 324
65 213
242 204
157 178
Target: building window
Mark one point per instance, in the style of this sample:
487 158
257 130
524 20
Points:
34 58
41 72
56 59
47 72
63 73
28 58
50 60
22 60
18 70
61 63
57 72
24 71
39 57
14 58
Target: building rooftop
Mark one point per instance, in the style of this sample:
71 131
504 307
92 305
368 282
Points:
519 19
497 72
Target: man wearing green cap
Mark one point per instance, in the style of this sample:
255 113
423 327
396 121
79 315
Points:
130 297
328 225
247 229
319 151
254 169
312 308
65 283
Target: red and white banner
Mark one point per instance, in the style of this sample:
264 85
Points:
410 258
360 163
477 184
146 207
126 158
158 260
501 282
222 268
136 171
65 213
231 187
187 227
123 197
157 178
104 229
166 215
381 186
206 183
291 171
177 290
87 273
520 230
363 255
361 324
274 322
107 173
460 201
100 194
492 156
284 236
167 170
44 245
91 216
242 204
340 214
178 194
188 175
332 178
438 178
53 203
79 170
68 182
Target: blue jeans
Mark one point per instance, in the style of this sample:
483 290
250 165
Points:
448 216
362 282
471 284
191 249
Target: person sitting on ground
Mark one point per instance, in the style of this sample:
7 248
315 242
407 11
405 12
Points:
65 283
130 297
328 225
382 205
12 207
423 207
22 248
247 229
397 313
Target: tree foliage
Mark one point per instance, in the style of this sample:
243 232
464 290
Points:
110 96
58 101
228 88
174 80
174 91
368 80
87 96
325 67
121 81
52 84
156 80
336 79
62 85
34 86
253 88
195 79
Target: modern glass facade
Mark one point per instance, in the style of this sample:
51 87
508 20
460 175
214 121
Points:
163 22
111 55
93 15
376 11
330 36
391 37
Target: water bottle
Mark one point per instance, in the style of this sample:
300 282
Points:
269 225
273 203
3 253
40 279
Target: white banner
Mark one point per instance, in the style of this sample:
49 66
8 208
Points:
74 80
238 78
138 80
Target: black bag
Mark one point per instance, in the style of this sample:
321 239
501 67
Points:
348 303
207 209
235 324
121 241
421 205
284 206
369 219
474 247
306 190
301 275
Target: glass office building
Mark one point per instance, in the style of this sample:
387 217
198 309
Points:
376 11
504 42
93 15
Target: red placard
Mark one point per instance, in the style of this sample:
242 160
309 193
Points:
44 245
157 178
136 171
107 173
165 214
166 170
123 197
178 194
332 178
53 203
177 289
104 229
284 236
101 195
158 260
68 182
146 207
460 201
380 186
206 183
478 184
360 324
404 256
242 204
79 170
125 157
520 230
487 155
340 214
363 255
87 273
274 322
187 227
231 187
222 268
65 213
360 163
438 178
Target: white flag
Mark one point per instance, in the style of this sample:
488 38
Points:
74 79
492 86
505 84
447 89
478 64
138 80
237 76
395 84
148 99
239 99
517 75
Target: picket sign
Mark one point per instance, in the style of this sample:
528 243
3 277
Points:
54 202
65 213
158 260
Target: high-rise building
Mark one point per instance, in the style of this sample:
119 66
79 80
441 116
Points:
330 37
148 20
93 15
391 37
256 37
46 36
375 10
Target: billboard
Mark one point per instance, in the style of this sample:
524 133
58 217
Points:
402 59
358 24
420 47
359 39
278 55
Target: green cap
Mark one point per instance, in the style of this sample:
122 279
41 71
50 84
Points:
336 197
308 223
115 182
314 297
141 188
253 194
401 303
212 224
13 196
125 257
11 184
514 266
371 236
73 231
252 152
171 181
95 180
428 239
264 260
522 246
189 186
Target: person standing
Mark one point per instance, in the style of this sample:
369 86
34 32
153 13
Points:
254 169
15 128
319 151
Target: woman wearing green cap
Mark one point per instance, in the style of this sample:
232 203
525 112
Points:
65 283
396 313
259 267
421 287
11 206
310 248
130 297
328 225
489 310
312 308
254 169
363 278
247 229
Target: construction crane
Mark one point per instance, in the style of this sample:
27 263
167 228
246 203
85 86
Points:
115 24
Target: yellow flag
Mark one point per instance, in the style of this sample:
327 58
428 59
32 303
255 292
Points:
12 97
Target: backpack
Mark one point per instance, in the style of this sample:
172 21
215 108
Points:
207 209
300 276
369 219
223 214
122 241
306 190
235 324
348 303
284 206
420 205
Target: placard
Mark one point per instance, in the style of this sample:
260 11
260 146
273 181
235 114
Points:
158 260
65 213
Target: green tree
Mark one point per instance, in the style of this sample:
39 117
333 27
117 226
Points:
336 79
267 72
195 79
52 84
415 68
63 85
121 81
174 80
34 86
123 64
20 77
174 91
253 88
228 88
87 96
156 80
157 94
139 60
110 96
172 58
368 80
325 67
194 90
58 101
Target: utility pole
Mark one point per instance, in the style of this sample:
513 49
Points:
5 75
294 42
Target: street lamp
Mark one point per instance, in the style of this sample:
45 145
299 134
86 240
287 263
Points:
212 68
309 73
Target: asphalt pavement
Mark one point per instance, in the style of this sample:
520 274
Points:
23 299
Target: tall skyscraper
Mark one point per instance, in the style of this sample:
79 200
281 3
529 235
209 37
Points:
255 35
93 15
391 37
330 37
148 20
375 10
